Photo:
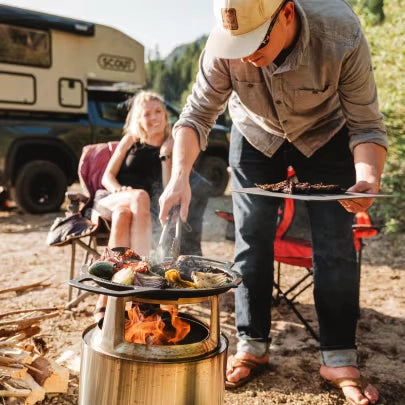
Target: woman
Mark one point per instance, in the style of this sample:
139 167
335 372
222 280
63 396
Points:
135 176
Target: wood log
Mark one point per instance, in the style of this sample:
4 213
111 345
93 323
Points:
26 286
23 331
25 322
23 311
37 392
52 376
16 353
13 387
14 372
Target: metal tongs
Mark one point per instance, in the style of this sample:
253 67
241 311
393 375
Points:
160 253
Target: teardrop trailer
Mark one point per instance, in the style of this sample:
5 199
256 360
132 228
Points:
48 112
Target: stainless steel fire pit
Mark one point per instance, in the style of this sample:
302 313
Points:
114 371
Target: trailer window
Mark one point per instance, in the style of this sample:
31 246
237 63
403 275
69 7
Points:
25 46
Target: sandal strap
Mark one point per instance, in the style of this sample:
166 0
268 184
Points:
346 382
250 364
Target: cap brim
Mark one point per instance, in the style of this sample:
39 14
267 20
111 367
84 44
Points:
222 44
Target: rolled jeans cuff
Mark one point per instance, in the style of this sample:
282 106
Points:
258 349
339 358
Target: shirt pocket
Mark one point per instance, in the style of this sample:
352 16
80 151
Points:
253 95
313 99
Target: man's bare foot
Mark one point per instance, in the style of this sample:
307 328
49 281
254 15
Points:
237 373
364 394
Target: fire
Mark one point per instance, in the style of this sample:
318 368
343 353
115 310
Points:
162 327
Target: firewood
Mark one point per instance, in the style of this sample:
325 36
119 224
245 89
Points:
52 376
14 363
26 286
14 372
16 353
23 331
29 321
37 392
12 387
23 311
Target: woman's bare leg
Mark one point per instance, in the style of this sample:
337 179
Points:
120 227
141 225
119 237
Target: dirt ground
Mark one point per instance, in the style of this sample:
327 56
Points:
293 375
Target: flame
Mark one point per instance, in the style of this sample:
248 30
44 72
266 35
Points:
152 329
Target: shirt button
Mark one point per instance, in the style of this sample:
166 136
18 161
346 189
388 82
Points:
278 101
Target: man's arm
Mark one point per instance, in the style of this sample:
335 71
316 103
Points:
185 152
369 159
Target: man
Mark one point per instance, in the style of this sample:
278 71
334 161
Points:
298 80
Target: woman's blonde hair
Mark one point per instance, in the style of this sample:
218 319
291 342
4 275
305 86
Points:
132 123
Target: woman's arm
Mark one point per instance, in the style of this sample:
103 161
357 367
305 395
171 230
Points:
109 180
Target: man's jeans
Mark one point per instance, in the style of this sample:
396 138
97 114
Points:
334 258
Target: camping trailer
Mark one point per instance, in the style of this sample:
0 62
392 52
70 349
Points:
47 62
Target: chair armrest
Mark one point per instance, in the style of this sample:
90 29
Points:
75 200
75 196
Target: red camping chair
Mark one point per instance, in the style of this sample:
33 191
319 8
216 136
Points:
92 164
293 246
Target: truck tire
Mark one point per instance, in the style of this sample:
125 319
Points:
40 187
215 169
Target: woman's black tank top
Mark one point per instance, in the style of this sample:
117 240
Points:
142 169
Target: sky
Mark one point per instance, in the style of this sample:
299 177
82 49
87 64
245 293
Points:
161 23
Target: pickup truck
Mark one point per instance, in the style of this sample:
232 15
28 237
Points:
39 152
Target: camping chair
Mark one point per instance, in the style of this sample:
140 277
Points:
83 227
292 246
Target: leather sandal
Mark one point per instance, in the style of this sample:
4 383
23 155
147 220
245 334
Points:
360 383
255 368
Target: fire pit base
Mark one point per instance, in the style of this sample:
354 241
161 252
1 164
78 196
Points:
106 380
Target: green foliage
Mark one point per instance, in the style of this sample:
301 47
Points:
174 77
384 27
387 45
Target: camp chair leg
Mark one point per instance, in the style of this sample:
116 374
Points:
296 312
90 250
293 287
87 247
72 303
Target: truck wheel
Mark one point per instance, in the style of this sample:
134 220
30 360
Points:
40 187
215 169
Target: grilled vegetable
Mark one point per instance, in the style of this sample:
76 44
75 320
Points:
124 276
102 269
209 280
149 280
175 280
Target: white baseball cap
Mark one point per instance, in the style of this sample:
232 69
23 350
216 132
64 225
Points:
241 27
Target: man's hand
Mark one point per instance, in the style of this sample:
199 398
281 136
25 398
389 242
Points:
369 161
360 204
177 192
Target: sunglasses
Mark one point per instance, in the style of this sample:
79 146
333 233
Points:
273 22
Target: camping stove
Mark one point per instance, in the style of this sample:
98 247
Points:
115 371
